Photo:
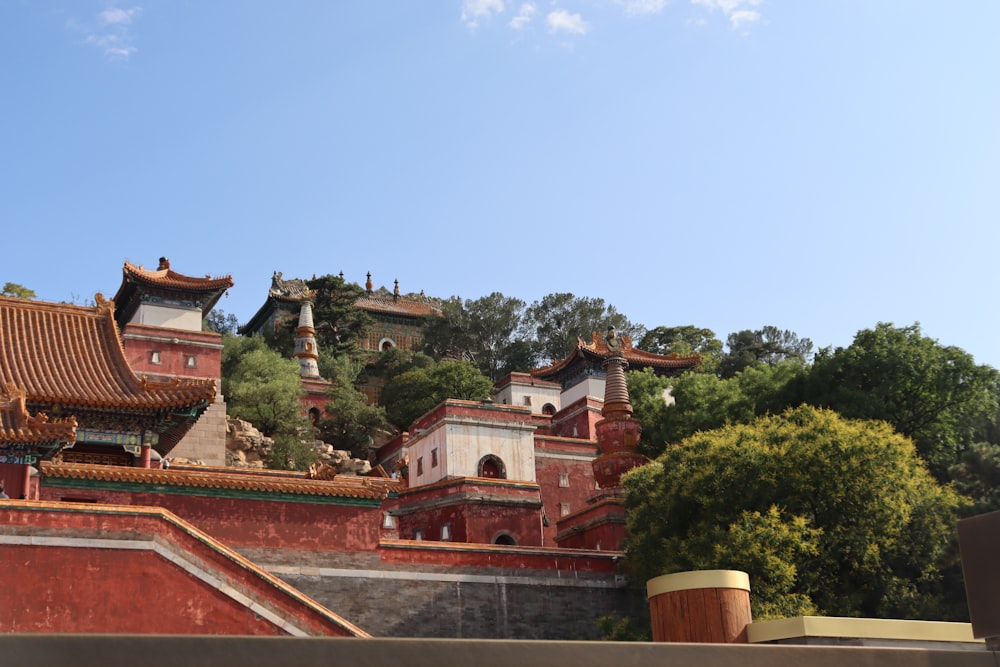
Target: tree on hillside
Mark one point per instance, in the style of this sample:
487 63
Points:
19 291
412 393
933 393
338 322
352 423
263 388
482 331
827 515
684 341
704 401
767 346
554 323
220 322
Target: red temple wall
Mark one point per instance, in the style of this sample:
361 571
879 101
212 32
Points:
140 341
249 522
579 475
100 572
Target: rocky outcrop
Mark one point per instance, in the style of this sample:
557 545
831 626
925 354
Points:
247 447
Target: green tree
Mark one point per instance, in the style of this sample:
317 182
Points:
684 341
221 322
263 387
824 513
702 401
767 346
352 423
482 331
932 393
412 393
977 476
20 291
554 324
338 321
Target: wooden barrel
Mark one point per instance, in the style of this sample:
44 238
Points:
705 606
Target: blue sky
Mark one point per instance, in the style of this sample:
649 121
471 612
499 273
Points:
819 166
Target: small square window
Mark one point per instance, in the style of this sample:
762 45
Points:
563 509
446 532
420 466
527 400
418 534
388 521
434 458
564 480
154 357
191 362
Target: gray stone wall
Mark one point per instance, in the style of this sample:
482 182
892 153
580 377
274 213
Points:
206 441
392 600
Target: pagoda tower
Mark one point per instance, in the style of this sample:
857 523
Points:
306 350
601 525
618 433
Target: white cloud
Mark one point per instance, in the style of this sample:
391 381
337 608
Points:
741 16
119 16
562 20
524 16
473 11
109 31
739 12
640 7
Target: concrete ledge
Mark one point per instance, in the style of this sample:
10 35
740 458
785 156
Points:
805 627
169 651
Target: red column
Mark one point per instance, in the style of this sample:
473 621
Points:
27 484
706 606
144 458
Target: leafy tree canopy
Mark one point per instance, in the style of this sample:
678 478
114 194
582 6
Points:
412 393
767 346
554 323
221 322
933 393
261 386
684 341
352 423
826 514
20 291
338 322
482 331
704 401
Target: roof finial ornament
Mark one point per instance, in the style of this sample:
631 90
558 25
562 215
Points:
164 264
395 290
368 284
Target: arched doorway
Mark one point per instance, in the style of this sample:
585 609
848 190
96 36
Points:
491 466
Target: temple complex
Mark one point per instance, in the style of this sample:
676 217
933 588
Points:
526 482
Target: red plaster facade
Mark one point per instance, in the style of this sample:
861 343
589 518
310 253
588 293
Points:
475 510
163 577
178 353
249 522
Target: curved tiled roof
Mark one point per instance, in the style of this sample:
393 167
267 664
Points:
164 282
18 426
72 356
217 479
169 279
374 302
596 351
